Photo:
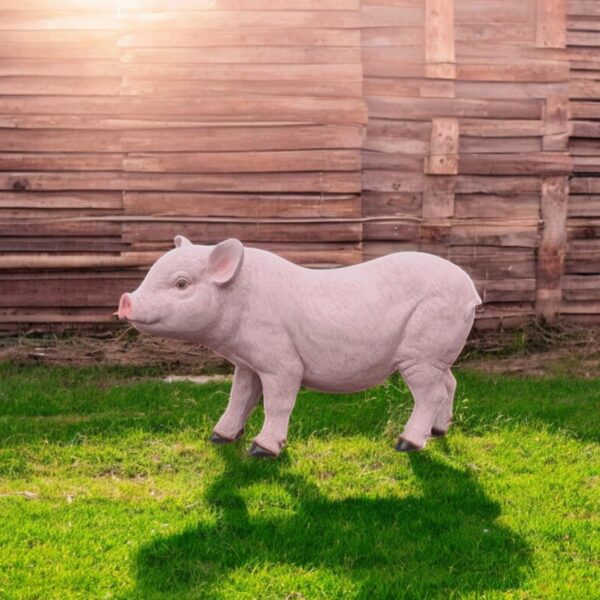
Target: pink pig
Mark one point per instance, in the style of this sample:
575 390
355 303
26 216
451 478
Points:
335 330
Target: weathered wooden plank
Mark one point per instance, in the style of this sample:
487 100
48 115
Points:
514 72
218 139
253 37
493 34
584 8
443 152
57 20
245 5
19 67
243 72
393 36
396 231
585 185
241 205
583 206
438 198
509 128
551 23
519 91
494 262
498 185
392 181
404 161
551 253
520 234
243 108
577 288
556 124
586 164
585 129
256 19
60 86
471 12
506 290
208 233
422 109
393 14
59 228
53 140
496 145
80 292
74 6
583 38
251 55
212 182
194 88
56 201
243 162
377 204
62 244
439 39
71 161
488 206
584 89
514 164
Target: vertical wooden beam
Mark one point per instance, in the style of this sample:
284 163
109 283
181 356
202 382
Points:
552 250
443 148
440 56
439 193
556 124
551 28
438 198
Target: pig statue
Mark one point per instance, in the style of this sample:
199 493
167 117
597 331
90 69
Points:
334 330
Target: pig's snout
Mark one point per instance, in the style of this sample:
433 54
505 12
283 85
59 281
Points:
125 307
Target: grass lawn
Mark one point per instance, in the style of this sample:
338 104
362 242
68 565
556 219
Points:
109 489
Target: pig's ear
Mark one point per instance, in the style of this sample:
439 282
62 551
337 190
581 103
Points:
180 241
225 261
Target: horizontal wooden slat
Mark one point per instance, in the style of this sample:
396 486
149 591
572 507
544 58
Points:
240 205
242 162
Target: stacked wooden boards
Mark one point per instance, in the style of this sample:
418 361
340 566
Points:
331 131
124 122
581 283
466 149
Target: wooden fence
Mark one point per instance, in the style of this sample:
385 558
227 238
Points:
330 131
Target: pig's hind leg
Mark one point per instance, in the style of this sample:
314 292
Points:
245 394
444 415
432 340
426 382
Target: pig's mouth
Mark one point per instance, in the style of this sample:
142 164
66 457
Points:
138 321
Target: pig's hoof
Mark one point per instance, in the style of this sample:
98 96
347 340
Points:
259 452
215 438
435 432
406 446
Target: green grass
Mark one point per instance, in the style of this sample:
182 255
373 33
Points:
126 499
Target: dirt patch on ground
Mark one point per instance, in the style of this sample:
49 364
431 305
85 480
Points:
572 351
113 347
529 351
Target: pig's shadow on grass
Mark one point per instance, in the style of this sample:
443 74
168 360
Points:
441 541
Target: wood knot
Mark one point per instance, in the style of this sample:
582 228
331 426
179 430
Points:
20 185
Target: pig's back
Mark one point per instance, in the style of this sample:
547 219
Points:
403 277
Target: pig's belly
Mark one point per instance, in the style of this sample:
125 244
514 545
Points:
347 379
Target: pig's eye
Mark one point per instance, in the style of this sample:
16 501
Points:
181 284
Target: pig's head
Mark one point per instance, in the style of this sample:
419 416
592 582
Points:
184 295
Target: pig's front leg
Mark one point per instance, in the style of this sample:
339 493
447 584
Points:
280 393
245 394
